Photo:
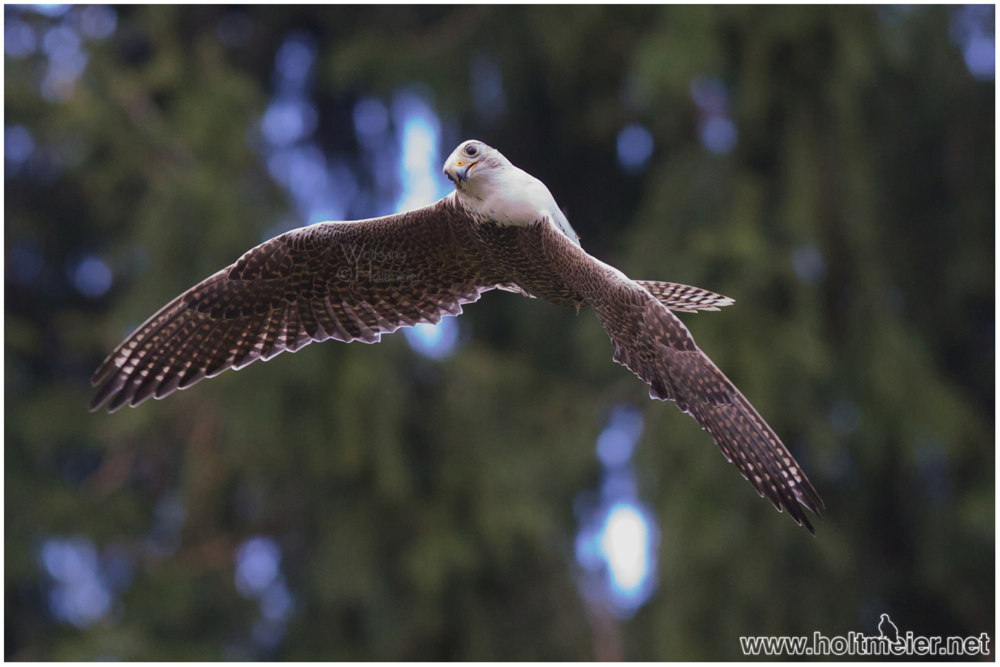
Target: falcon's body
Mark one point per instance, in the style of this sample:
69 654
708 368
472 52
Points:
500 229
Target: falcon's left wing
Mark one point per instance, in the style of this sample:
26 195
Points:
651 342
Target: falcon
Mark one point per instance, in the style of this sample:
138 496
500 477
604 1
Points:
499 229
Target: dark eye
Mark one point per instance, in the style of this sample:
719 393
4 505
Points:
471 151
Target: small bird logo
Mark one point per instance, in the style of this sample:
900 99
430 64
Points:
888 629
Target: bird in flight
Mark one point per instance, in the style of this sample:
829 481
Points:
499 229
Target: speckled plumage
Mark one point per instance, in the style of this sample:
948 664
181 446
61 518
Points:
655 345
343 280
357 280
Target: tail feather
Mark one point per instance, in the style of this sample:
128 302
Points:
685 298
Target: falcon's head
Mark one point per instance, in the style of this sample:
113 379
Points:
473 163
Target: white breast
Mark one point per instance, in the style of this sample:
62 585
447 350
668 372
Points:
510 196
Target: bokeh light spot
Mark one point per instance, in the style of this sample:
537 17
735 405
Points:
276 602
718 134
92 277
419 166
972 29
61 43
97 22
436 341
78 595
17 145
371 118
51 10
18 39
294 60
288 121
258 560
619 438
980 57
618 539
635 146
625 544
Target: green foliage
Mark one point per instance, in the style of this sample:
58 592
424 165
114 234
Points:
425 509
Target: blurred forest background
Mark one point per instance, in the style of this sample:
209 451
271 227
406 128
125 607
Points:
496 487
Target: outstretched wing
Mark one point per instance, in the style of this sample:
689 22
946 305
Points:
343 280
651 342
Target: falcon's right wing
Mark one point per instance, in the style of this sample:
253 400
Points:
342 280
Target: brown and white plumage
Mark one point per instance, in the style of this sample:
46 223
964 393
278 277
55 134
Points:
345 280
357 280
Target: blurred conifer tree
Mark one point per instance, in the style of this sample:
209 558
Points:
830 168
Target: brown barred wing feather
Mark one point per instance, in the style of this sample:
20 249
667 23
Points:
346 280
657 347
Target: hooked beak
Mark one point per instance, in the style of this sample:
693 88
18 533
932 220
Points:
458 171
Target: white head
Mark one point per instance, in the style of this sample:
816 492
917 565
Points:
474 168
492 189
